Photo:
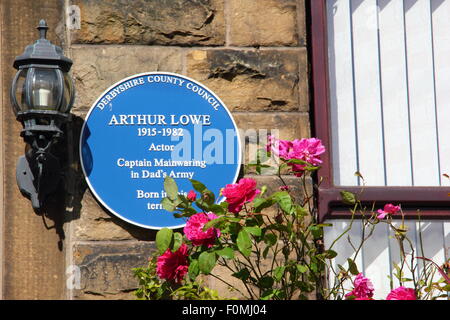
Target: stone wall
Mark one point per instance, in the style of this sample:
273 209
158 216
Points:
251 53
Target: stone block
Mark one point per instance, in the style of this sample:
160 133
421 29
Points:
290 126
253 80
95 223
267 23
106 269
254 127
150 22
96 68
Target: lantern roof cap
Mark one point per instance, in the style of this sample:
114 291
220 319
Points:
43 52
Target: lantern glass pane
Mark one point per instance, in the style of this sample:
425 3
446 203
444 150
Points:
68 93
45 91
19 91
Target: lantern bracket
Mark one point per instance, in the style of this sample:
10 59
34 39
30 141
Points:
38 172
38 177
42 95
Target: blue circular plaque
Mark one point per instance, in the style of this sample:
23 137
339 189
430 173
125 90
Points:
153 125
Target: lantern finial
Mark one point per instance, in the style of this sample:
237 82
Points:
42 27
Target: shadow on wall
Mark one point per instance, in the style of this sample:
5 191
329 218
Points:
66 204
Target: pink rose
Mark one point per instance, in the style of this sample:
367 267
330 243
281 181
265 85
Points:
402 293
239 193
173 265
308 150
191 196
362 288
194 229
279 147
388 209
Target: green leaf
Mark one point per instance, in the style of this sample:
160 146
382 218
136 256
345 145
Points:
300 212
168 205
352 267
171 188
244 243
189 212
242 274
302 268
278 273
316 231
226 253
256 231
266 252
312 168
224 205
163 239
177 241
217 209
215 223
183 200
198 186
194 269
297 161
202 205
323 225
268 294
330 254
278 227
206 262
265 282
234 229
270 239
263 190
208 197
258 219
348 197
260 203
178 202
284 200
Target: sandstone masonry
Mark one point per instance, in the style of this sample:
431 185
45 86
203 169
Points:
252 54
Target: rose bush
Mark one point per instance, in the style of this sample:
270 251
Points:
273 243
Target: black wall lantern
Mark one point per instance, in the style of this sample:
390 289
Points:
42 94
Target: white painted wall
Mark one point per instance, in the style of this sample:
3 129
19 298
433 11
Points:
390 91
389 71
378 255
